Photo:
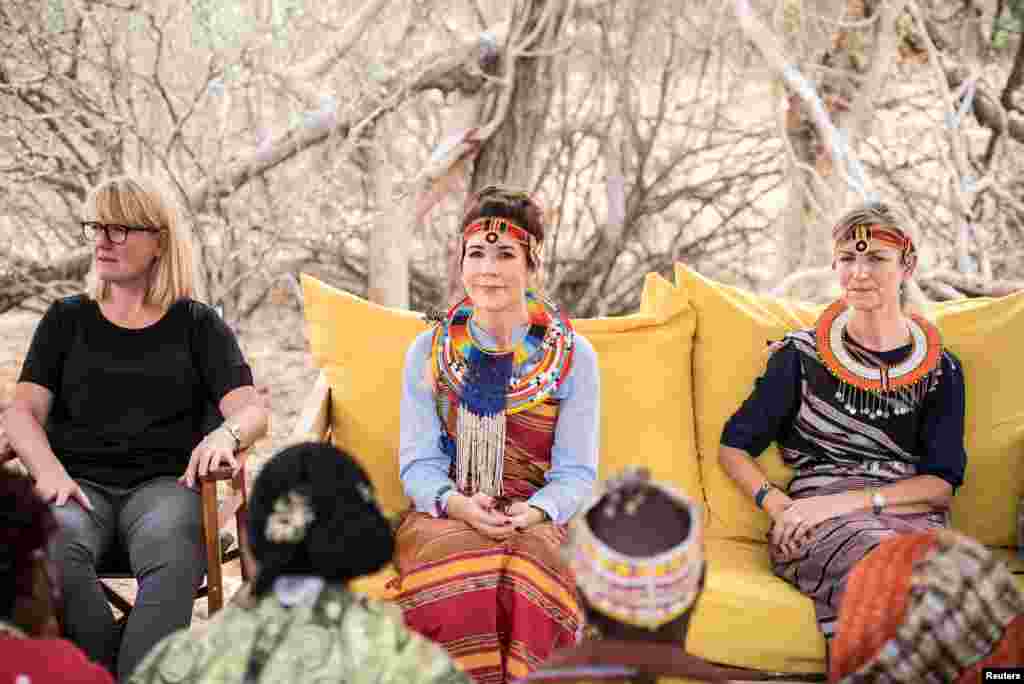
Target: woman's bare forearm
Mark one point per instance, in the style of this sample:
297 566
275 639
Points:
907 496
29 441
252 421
745 472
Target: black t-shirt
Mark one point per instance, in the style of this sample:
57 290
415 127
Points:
131 404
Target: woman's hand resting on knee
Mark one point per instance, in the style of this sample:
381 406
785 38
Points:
217 449
479 512
57 487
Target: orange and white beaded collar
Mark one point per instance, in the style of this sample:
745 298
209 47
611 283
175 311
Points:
875 389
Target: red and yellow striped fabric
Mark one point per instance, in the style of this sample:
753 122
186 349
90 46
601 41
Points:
500 608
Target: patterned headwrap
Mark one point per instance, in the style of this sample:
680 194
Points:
874 223
642 591
934 606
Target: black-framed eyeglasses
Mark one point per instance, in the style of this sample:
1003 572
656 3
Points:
115 232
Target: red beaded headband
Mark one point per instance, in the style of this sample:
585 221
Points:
497 227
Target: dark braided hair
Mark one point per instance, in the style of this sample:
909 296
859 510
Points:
504 201
26 525
348 535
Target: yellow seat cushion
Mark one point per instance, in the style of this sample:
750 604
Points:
644 360
748 617
733 327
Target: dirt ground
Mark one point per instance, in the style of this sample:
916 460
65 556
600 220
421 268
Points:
274 342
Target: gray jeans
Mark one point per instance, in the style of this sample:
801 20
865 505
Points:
159 525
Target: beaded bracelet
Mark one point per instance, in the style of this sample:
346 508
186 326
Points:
762 492
442 511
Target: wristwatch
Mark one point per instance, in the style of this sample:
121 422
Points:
235 433
877 501
440 502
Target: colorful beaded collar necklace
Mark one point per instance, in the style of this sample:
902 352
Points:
868 386
488 386
549 329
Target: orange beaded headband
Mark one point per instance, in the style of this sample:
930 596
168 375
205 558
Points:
863 235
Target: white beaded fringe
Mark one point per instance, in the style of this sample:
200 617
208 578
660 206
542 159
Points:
480 452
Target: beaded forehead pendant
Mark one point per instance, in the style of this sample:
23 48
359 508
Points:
496 227
867 235
646 592
862 238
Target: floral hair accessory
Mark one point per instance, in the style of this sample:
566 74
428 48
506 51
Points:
291 518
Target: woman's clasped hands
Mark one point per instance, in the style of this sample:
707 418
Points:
488 517
794 520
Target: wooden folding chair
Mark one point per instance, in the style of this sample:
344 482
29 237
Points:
115 565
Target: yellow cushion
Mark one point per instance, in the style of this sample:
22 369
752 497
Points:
733 326
647 387
748 617
986 335
644 363
361 347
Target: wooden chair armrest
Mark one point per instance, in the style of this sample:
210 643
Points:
225 472
314 423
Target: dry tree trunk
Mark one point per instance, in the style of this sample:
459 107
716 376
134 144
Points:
388 256
508 154
516 115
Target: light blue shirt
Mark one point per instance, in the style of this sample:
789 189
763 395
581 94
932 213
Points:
574 454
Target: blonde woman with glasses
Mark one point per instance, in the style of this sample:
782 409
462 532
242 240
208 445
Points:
111 416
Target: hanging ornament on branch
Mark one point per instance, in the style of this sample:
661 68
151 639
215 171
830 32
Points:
842 155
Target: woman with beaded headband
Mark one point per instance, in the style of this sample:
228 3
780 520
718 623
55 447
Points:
637 553
867 408
499 449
